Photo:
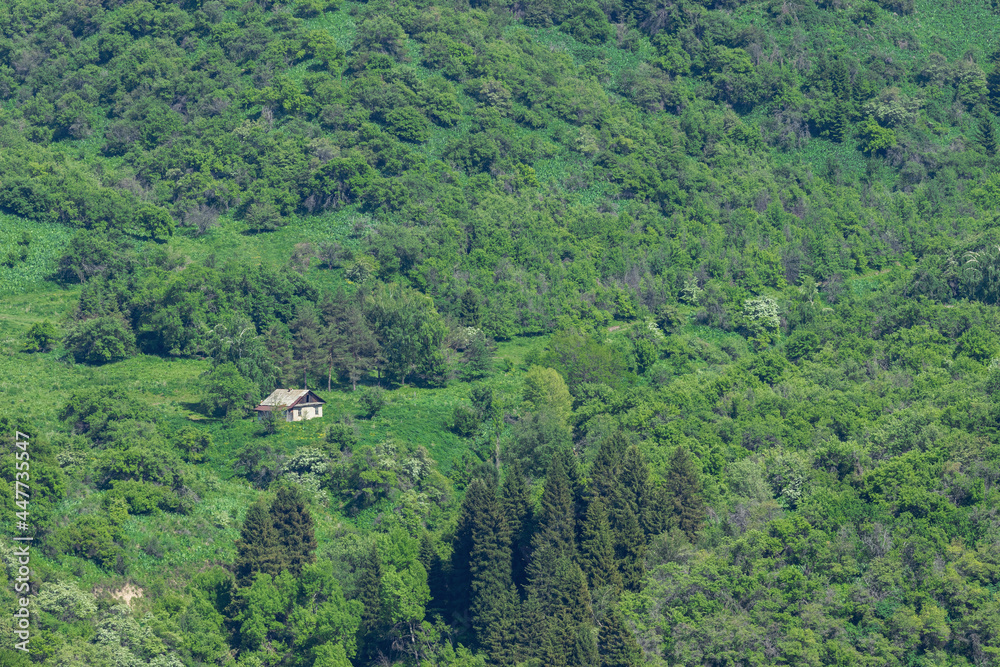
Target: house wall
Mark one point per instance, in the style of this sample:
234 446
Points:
301 414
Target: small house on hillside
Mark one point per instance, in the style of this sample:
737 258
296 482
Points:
295 404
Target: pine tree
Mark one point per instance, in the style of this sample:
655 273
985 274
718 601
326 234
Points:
516 501
991 139
840 80
683 486
557 513
475 504
840 124
437 582
633 478
597 549
578 490
258 549
616 642
308 349
492 600
630 546
654 517
560 588
604 471
370 595
294 527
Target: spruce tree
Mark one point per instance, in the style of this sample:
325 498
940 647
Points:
630 546
655 514
516 502
556 513
437 581
616 642
568 639
991 140
604 471
840 124
475 505
597 549
258 549
370 596
840 80
294 527
492 600
683 486
633 480
578 490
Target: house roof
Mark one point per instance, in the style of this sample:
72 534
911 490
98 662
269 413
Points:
288 398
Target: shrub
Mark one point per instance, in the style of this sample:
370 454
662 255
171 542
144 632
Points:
101 340
41 337
372 400
343 436
464 421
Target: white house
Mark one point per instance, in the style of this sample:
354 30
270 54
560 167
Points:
295 404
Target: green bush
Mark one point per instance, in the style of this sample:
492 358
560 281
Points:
342 436
41 336
101 340
371 400
464 421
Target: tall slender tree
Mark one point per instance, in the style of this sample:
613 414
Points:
516 500
597 548
616 643
683 486
293 525
556 523
258 549
370 595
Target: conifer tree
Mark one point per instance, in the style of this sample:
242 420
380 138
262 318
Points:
293 525
478 497
491 603
633 478
654 517
630 546
991 138
840 124
578 490
258 549
840 80
616 642
556 513
516 502
604 471
597 549
437 582
370 595
560 588
683 486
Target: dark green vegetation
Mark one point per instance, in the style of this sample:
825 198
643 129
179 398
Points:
650 332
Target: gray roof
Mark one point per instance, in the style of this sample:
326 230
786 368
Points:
286 398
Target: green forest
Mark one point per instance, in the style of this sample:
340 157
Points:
650 332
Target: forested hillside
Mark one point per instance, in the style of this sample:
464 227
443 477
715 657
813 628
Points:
651 332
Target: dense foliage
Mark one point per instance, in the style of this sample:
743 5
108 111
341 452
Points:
651 332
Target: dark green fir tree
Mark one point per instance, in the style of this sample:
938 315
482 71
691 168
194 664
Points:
604 471
556 524
630 546
616 643
258 549
294 527
516 501
370 596
597 549
683 487
991 140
